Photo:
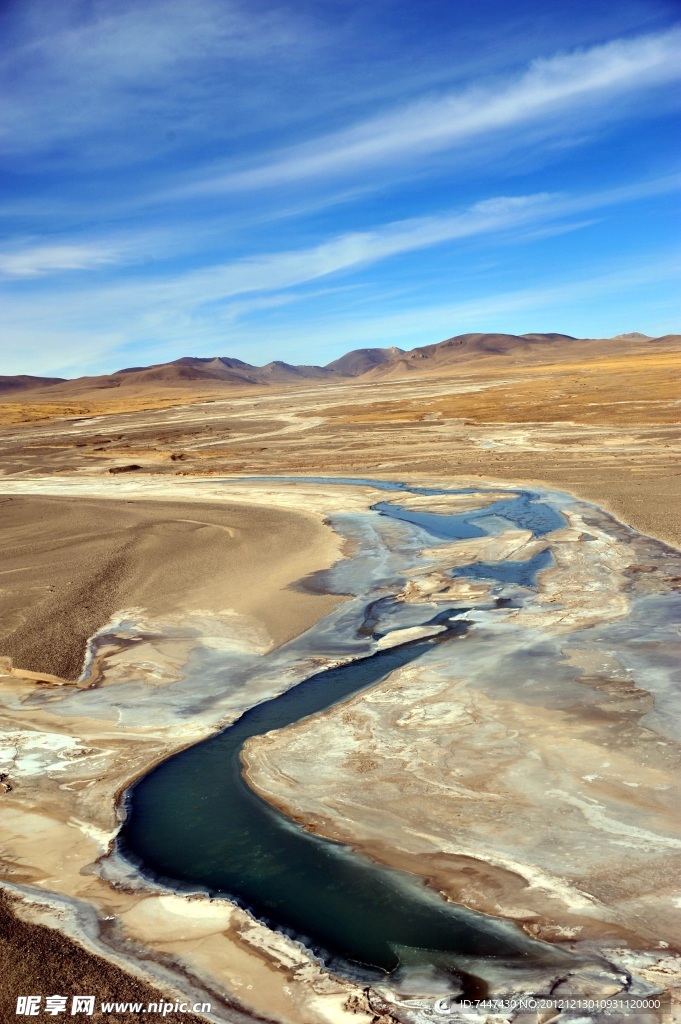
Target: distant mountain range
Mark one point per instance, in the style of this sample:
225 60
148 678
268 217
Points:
364 364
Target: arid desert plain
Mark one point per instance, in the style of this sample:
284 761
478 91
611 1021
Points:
471 553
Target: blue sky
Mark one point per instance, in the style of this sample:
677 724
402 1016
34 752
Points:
293 180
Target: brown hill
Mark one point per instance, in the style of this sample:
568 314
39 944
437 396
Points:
361 360
664 341
188 372
283 372
445 356
631 336
431 358
24 382
188 368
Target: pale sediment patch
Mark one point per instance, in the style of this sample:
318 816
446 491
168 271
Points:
450 504
401 636
522 771
458 787
511 545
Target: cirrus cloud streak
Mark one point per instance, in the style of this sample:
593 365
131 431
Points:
550 90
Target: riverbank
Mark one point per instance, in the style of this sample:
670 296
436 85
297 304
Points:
199 574
37 959
75 562
532 774
162 684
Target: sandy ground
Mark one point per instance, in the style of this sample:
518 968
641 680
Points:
194 573
605 430
68 566
37 959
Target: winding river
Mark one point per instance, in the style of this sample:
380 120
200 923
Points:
194 822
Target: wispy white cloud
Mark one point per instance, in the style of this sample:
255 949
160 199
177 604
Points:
348 251
192 309
161 246
563 306
42 260
551 90
277 271
268 272
90 77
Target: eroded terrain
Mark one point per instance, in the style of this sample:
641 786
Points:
532 771
528 772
